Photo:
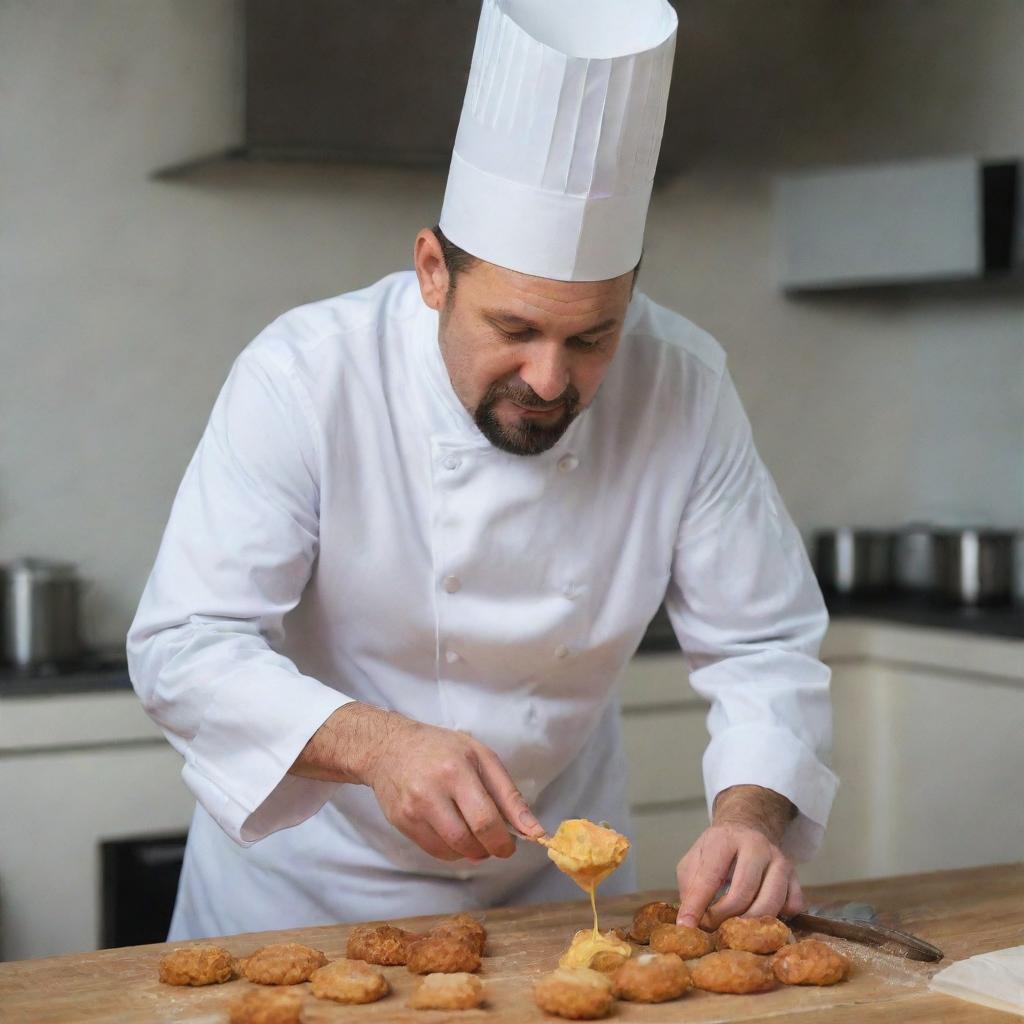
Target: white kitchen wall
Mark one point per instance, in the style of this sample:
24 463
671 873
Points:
124 300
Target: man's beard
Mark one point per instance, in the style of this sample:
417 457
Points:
528 437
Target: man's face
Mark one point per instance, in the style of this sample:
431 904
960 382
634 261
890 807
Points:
527 354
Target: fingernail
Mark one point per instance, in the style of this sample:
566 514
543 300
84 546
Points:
687 919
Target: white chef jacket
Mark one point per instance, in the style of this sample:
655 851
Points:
345 532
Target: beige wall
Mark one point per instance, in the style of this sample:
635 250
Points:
124 300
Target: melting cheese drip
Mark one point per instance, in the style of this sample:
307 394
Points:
588 854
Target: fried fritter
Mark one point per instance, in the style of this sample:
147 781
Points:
442 954
733 971
607 961
465 927
266 1006
283 963
688 943
753 934
576 993
349 981
448 992
652 978
810 962
648 916
198 965
380 944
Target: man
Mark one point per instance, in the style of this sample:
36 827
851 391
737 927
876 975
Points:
429 521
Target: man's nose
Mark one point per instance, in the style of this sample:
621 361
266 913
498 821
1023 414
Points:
546 370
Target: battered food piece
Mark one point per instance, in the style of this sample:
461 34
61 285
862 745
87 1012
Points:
649 915
349 981
734 971
687 943
380 944
587 946
607 962
283 963
465 927
586 852
652 978
442 954
448 992
574 993
753 934
263 1006
810 962
198 965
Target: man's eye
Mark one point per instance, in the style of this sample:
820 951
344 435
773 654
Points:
509 336
587 343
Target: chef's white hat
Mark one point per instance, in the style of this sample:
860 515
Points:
561 126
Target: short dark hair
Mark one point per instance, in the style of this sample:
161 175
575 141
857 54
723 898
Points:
457 260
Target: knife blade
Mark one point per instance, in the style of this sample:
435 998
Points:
888 939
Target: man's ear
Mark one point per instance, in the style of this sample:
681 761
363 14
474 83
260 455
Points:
431 272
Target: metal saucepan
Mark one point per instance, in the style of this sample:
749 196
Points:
849 561
40 622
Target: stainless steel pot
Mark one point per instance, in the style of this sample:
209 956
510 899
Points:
40 623
974 567
849 561
914 559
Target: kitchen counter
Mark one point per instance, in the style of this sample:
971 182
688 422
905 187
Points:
894 609
963 912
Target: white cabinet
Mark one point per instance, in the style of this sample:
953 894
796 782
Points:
665 736
75 771
927 745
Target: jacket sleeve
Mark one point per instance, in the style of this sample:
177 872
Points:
749 617
235 557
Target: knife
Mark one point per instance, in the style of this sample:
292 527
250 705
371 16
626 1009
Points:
888 939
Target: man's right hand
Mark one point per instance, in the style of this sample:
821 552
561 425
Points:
448 793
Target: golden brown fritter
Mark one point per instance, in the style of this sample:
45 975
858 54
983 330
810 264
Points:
576 993
733 971
349 981
652 978
442 954
753 934
687 943
380 944
266 1006
462 926
283 963
608 961
448 992
810 962
198 965
648 916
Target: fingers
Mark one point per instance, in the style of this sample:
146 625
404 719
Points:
483 819
510 802
700 873
747 876
426 839
446 819
774 889
795 903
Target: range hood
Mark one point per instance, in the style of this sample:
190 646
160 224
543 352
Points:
357 82
902 223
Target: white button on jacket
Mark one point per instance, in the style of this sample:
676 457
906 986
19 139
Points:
297 572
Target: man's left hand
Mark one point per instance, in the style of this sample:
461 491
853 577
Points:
744 837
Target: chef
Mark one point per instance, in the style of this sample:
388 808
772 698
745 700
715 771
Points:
429 521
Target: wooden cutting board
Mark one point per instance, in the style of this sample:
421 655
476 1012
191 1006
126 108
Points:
962 912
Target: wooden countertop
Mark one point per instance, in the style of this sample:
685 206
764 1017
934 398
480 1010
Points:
963 912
